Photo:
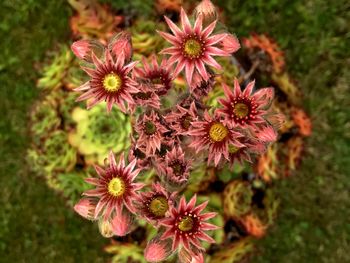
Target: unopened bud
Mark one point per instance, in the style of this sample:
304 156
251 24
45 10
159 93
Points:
157 250
207 10
105 227
230 44
121 45
81 48
86 208
122 223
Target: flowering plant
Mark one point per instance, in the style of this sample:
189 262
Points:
175 132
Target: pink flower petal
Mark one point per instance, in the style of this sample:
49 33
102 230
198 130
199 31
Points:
185 22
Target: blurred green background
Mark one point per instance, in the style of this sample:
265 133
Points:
313 224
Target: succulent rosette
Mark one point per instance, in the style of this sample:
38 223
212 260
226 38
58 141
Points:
56 71
58 154
97 133
265 53
144 37
44 119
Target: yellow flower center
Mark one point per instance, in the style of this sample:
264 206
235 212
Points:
192 48
159 206
112 82
116 187
241 110
186 224
218 132
232 149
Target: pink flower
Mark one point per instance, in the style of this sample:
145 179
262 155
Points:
146 97
86 208
150 132
240 154
115 187
110 82
200 87
142 161
175 170
120 45
155 204
214 134
180 120
245 108
122 223
193 48
186 225
230 44
157 250
167 144
159 76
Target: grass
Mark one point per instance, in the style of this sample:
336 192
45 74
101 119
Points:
311 227
36 226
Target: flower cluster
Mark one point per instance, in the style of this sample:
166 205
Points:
173 130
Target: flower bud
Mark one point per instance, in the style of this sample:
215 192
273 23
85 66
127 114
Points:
195 256
157 250
105 227
122 223
207 10
81 48
230 44
121 45
86 208
266 134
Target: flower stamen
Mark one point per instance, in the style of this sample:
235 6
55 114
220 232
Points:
241 110
116 187
112 82
186 224
159 206
192 48
218 132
